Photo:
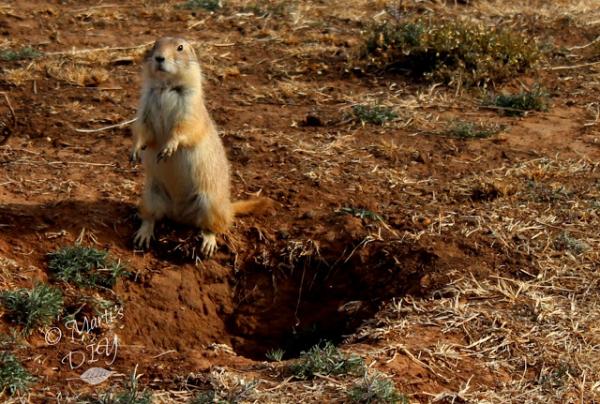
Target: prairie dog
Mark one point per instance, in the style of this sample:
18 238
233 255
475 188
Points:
186 168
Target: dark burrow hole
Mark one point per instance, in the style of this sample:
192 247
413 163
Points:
293 307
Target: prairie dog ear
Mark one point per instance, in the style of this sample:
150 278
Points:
192 51
149 52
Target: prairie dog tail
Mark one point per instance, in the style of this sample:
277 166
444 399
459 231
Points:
254 205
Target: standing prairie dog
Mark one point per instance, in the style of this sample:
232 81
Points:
187 172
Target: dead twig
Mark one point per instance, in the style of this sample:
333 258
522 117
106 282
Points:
584 46
53 163
223 45
117 125
103 49
170 351
582 65
283 383
12 111
523 111
82 163
6 131
102 6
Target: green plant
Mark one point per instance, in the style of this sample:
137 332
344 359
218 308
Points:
14 378
376 115
326 360
567 242
10 55
10 341
471 130
86 306
373 389
33 308
275 354
541 192
100 305
205 397
361 213
130 395
236 393
265 8
85 267
451 50
518 104
210 5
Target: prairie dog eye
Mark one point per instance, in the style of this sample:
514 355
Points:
180 48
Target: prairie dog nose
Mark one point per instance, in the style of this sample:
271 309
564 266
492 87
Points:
159 58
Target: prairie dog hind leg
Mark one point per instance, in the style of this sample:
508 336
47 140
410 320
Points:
211 217
154 206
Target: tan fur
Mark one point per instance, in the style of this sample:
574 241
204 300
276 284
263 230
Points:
187 172
256 205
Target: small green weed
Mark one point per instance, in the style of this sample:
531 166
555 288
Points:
326 360
375 389
10 55
540 192
265 8
450 50
10 341
238 392
275 355
130 395
361 213
14 378
472 130
99 305
33 308
519 104
85 267
205 397
376 115
556 378
87 306
567 242
209 5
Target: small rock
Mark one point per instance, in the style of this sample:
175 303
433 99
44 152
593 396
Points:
309 214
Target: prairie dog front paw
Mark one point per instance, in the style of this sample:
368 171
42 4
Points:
167 151
136 153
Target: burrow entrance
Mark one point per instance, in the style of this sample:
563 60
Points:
289 301
294 308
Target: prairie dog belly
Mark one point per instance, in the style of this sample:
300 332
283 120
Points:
171 180
189 180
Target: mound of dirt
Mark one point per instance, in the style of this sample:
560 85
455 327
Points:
301 294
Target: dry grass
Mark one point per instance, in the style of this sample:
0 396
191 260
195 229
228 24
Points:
521 326
453 50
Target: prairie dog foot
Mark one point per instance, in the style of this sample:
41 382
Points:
209 244
144 234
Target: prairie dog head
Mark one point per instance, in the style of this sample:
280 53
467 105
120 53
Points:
172 61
